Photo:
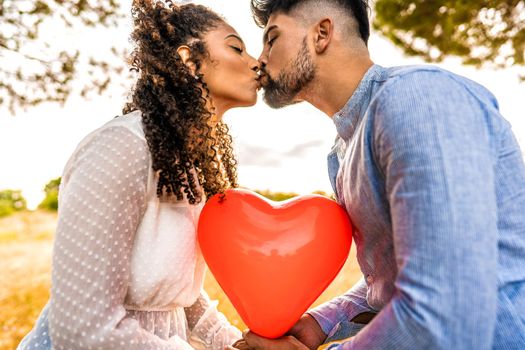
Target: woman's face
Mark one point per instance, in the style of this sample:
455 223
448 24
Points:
230 73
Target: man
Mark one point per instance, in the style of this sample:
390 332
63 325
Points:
431 176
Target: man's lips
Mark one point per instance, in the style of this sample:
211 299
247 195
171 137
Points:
262 80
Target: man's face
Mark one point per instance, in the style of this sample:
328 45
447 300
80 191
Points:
286 63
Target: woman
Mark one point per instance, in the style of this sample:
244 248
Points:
127 271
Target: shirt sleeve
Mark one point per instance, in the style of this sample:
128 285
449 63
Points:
102 201
334 316
209 328
433 144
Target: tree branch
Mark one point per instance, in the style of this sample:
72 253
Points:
29 57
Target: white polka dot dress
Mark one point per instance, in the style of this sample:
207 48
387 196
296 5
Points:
127 271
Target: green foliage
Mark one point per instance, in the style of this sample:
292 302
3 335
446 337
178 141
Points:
480 32
11 201
276 196
282 196
50 202
323 193
34 69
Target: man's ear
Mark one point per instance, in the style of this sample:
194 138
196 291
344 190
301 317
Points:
323 32
185 55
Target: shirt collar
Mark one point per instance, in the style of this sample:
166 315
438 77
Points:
346 120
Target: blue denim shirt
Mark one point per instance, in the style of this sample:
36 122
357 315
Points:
434 181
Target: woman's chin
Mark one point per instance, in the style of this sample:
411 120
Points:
253 101
248 102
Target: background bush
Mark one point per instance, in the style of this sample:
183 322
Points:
50 202
11 201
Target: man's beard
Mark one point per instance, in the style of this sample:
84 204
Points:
291 80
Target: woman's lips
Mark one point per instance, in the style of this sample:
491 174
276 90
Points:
259 81
262 80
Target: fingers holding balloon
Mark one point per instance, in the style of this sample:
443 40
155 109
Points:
240 344
256 342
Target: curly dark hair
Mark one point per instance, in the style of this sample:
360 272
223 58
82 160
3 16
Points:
188 148
263 9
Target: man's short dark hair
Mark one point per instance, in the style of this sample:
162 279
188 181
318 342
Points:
263 9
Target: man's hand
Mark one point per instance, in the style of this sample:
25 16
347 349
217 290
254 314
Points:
239 344
305 334
308 332
254 342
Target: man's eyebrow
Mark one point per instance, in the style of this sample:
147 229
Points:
234 36
265 36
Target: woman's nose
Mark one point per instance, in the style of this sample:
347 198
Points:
254 65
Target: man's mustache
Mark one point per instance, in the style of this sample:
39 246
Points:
263 72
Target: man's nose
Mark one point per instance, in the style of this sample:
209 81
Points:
263 59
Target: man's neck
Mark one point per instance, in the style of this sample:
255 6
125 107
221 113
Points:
335 83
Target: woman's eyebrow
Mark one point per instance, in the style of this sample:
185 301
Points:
234 36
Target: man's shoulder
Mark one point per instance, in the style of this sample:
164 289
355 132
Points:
403 83
408 95
414 71
399 75
402 71
429 80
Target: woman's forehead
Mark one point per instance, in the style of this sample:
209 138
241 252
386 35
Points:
223 29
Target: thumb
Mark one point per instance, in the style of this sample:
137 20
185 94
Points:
296 328
300 326
253 340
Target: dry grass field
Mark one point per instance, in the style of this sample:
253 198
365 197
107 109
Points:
26 241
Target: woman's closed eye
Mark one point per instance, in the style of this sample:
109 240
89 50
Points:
238 49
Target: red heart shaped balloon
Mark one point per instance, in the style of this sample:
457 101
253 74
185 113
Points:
273 259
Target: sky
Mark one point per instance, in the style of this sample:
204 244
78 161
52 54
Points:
280 150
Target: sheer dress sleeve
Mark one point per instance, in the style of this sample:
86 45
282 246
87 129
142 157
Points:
209 328
102 201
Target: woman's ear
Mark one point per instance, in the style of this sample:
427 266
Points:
185 55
